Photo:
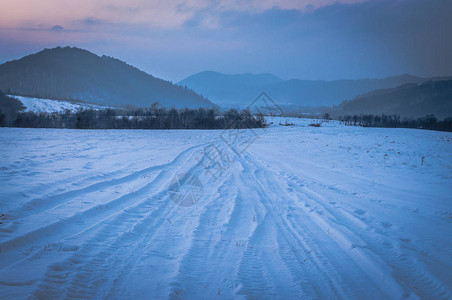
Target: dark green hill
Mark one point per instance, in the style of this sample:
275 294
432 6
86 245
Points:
409 100
76 74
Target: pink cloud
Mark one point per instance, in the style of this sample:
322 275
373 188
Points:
154 13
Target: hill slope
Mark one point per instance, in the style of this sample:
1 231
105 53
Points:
225 89
38 105
77 74
410 100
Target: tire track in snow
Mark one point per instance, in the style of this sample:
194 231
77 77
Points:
38 205
195 263
407 269
113 249
174 235
367 249
291 250
92 218
261 235
330 265
208 268
114 205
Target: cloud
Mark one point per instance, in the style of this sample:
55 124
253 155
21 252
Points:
322 39
155 13
91 21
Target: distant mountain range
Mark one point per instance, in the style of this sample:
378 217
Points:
76 74
409 100
241 89
79 75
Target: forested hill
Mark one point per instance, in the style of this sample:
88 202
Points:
409 100
77 74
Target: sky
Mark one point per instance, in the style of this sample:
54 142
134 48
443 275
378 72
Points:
305 39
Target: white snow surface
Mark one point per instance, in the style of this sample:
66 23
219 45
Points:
287 212
39 105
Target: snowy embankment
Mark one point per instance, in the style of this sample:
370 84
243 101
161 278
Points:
286 212
39 105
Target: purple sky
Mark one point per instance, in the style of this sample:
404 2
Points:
308 39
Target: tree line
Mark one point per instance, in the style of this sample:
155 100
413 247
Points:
144 118
395 121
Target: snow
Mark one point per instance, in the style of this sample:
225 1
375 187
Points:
284 212
39 105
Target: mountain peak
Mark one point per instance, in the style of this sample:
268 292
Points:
66 50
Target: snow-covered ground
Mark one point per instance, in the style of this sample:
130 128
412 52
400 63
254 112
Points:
38 105
286 212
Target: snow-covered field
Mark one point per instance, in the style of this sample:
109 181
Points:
287 212
38 105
